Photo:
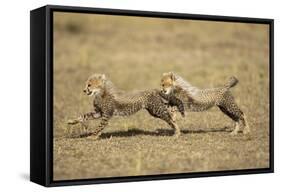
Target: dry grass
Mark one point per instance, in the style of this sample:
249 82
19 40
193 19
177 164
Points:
133 53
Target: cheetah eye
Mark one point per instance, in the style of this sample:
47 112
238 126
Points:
89 85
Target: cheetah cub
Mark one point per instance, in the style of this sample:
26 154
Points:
108 101
196 99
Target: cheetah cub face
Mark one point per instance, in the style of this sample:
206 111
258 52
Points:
168 82
95 85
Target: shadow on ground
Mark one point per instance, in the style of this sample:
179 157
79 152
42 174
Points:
158 132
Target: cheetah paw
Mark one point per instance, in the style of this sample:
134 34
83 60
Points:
72 121
183 114
177 134
233 133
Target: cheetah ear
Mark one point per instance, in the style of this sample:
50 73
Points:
172 75
167 74
103 77
164 74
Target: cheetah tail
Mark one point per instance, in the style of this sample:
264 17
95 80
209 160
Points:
231 82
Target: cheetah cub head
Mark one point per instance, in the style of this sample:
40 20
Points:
168 82
95 85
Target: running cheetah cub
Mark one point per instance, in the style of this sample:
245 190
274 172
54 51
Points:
196 99
108 101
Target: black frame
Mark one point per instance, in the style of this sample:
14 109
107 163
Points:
41 94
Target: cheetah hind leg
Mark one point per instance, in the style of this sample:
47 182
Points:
167 117
235 114
246 128
173 124
242 125
236 129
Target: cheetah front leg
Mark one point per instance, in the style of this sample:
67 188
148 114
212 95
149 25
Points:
172 111
169 119
174 104
84 117
176 128
103 123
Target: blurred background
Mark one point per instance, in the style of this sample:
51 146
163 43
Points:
133 52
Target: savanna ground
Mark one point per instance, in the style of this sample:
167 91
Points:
133 53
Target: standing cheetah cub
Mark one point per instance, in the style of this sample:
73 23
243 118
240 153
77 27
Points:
109 101
196 99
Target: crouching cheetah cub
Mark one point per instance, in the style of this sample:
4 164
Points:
196 99
108 101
